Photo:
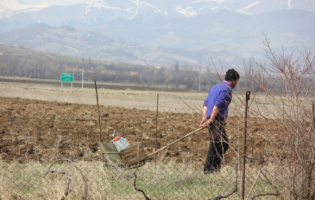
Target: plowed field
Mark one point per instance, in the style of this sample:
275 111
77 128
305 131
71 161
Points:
44 131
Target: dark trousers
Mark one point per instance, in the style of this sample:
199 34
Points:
219 144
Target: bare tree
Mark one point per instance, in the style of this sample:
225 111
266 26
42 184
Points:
287 82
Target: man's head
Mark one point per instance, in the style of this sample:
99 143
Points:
232 76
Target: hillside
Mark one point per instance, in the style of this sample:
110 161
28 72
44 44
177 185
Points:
159 34
69 41
26 63
229 26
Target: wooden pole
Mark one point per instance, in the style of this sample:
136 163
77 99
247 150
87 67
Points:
195 131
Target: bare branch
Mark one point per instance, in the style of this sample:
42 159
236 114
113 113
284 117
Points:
267 194
82 175
139 190
68 190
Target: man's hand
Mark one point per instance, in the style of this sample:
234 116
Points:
204 116
204 122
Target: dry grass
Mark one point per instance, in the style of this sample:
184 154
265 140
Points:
113 98
184 102
161 181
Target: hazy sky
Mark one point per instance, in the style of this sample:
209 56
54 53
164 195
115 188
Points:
54 2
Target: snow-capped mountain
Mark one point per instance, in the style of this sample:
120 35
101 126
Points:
188 8
9 8
232 26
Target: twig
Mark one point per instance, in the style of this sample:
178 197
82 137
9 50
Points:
235 186
57 146
68 190
217 73
267 194
83 177
163 156
139 190
180 98
85 190
251 189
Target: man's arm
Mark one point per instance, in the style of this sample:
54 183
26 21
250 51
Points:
214 114
204 112
204 122
204 116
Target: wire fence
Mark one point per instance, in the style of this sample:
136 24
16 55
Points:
51 150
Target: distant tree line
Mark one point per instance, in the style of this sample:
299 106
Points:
20 62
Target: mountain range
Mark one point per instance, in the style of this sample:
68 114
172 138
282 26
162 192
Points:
160 32
188 8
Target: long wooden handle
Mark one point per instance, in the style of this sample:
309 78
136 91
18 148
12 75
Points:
157 151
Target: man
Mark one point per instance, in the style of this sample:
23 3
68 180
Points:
215 112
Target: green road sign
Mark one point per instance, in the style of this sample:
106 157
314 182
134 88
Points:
67 78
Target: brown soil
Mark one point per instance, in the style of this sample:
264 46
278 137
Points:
45 131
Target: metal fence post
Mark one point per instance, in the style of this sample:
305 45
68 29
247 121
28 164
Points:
314 121
98 108
244 155
157 115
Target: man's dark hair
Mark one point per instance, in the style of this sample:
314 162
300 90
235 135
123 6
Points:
231 75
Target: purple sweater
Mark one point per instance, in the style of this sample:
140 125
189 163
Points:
220 96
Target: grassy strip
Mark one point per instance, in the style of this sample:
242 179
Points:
169 181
